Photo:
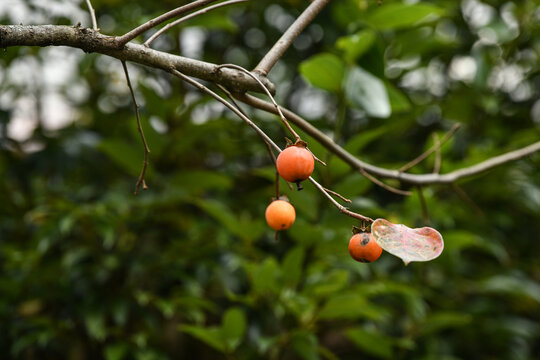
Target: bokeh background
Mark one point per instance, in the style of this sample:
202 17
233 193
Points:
188 269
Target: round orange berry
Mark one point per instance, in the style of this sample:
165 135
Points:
295 163
280 215
363 248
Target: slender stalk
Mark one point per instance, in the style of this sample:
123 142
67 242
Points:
240 114
463 195
127 37
379 183
266 138
278 108
340 207
286 40
431 150
190 16
268 146
437 162
425 213
338 195
92 15
141 180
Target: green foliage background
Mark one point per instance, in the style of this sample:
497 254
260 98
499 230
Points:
189 269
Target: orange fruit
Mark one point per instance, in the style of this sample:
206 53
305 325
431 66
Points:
295 164
363 248
280 215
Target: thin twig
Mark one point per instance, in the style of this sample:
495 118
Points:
340 207
463 195
264 136
425 213
190 16
278 108
355 163
338 195
438 158
92 15
385 186
227 104
268 146
315 157
286 40
141 180
431 150
231 98
127 37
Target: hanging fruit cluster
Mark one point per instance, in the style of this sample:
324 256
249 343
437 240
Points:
296 164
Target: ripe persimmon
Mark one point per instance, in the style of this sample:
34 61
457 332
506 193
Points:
363 248
295 164
280 215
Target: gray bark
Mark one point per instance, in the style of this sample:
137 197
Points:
90 41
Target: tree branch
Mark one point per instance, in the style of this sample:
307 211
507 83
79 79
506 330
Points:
278 109
124 39
355 163
286 40
338 195
92 41
92 15
190 16
141 180
431 150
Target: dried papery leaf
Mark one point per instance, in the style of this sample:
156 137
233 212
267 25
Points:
422 244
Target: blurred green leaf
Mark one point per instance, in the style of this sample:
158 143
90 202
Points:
95 325
265 277
210 336
371 342
509 285
324 71
367 92
328 283
398 100
397 15
461 240
233 327
361 140
353 185
116 352
244 228
291 267
443 320
354 46
305 201
197 181
351 306
126 156
305 345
